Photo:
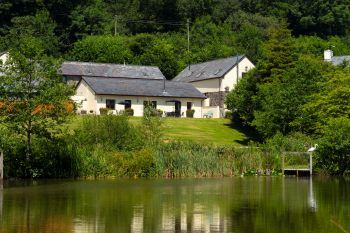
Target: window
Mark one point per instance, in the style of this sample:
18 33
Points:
189 105
154 104
110 104
127 104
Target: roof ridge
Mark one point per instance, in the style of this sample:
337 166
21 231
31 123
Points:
218 59
101 63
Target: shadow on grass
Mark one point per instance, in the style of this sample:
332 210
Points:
250 133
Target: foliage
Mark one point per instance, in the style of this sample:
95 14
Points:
333 152
278 54
228 115
281 100
129 112
104 111
293 142
151 127
332 101
105 49
33 97
109 131
190 113
241 99
40 26
91 18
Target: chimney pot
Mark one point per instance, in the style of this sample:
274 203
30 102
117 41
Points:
328 54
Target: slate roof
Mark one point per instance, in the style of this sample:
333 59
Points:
72 68
141 87
337 60
208 70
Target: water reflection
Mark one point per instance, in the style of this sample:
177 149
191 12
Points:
311 197
1 197
137 219
254 204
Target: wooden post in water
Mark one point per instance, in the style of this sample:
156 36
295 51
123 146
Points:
282 163
310 160
1 165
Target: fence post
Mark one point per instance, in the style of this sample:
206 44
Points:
310 166
282 163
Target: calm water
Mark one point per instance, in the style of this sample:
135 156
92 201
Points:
252 204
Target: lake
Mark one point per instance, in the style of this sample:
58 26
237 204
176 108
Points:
248 204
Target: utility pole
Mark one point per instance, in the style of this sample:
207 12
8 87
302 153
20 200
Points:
188 43
115 24
188 35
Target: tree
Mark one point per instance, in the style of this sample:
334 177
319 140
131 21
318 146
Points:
331 101
107 49
241 99
333 153
40 26
33 98
278 54
280 101
91 19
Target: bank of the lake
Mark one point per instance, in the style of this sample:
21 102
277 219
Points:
120 146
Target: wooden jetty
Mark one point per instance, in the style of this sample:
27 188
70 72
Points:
297 171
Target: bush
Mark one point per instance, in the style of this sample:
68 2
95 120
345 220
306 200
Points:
111 131
104 111
190 113
129 112
228 115
333 151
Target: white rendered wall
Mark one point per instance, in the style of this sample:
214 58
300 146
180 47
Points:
137 104
230 79
210 85
85 98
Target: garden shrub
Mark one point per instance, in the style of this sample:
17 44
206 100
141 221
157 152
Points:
104 111
129 112
190 113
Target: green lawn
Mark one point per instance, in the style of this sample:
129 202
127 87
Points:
208 131
216 131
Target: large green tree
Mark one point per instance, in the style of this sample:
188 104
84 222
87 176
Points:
33 97
331 101
280 101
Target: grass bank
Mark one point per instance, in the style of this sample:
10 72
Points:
203 131
119 146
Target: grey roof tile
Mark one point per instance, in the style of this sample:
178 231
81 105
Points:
208 70
337 60
71 68
141 87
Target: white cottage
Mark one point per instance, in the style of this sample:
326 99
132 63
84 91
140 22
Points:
120 87
215 79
